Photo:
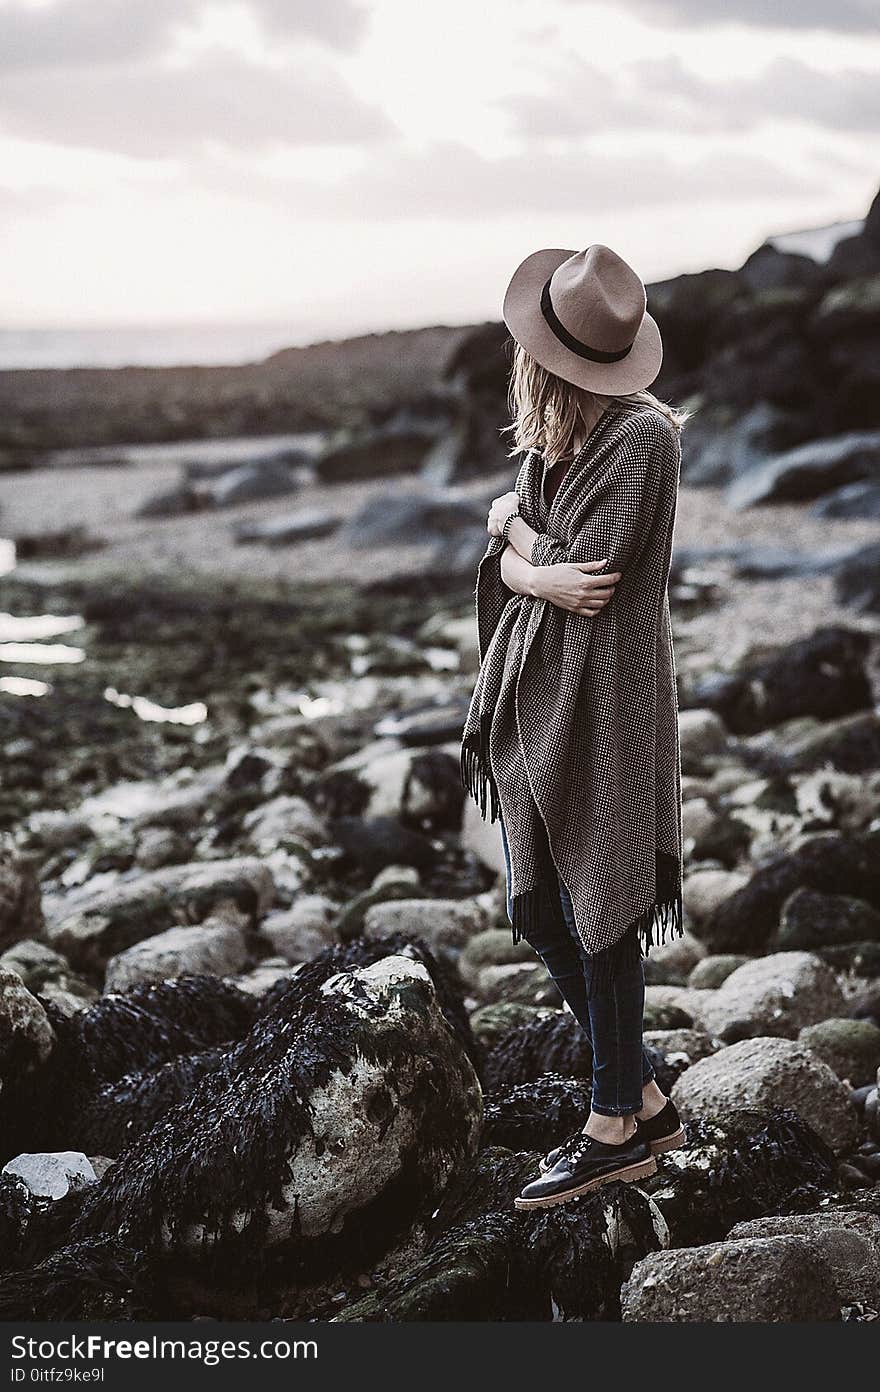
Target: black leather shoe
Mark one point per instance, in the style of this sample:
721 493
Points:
663 1131
586 1164
553 1156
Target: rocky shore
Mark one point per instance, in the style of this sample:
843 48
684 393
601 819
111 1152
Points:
267 1049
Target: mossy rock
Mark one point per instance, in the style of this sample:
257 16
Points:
713 971
850 1047
494 947
492 1022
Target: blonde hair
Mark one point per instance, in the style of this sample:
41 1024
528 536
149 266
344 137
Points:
549 414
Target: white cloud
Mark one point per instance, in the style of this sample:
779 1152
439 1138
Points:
154 112
70 33
846 16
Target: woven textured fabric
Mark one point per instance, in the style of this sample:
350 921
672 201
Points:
572 732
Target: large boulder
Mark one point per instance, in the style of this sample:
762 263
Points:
773 1280
849 1244
217 947
756 1075
774 995
104 922
341 1115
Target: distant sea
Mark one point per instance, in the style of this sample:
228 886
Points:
150 345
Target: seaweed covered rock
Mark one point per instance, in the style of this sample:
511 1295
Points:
103 922
16 1207
337 1119
753 1166
551 1042
362 952
486 1261
762 1280
546 1042
97 1279
775 995
536 1116
755 1074
117 1035
827 862
123 1110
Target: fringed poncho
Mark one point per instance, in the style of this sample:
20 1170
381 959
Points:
572 733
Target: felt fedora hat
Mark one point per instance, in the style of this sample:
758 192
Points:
583 316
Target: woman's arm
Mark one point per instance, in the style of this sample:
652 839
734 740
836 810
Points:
567 586
517 573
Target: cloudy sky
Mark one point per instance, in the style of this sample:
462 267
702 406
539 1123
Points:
344 165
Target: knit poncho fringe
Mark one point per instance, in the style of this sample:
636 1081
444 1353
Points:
572 733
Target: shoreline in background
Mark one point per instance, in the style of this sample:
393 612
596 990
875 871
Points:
222 344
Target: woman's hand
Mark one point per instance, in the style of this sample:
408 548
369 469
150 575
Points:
500 511
570 585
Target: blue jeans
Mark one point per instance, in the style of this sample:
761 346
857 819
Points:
613 1021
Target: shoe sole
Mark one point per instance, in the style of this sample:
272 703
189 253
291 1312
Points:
673 1142
626 1176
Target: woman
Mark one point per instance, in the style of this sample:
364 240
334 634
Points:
571 738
